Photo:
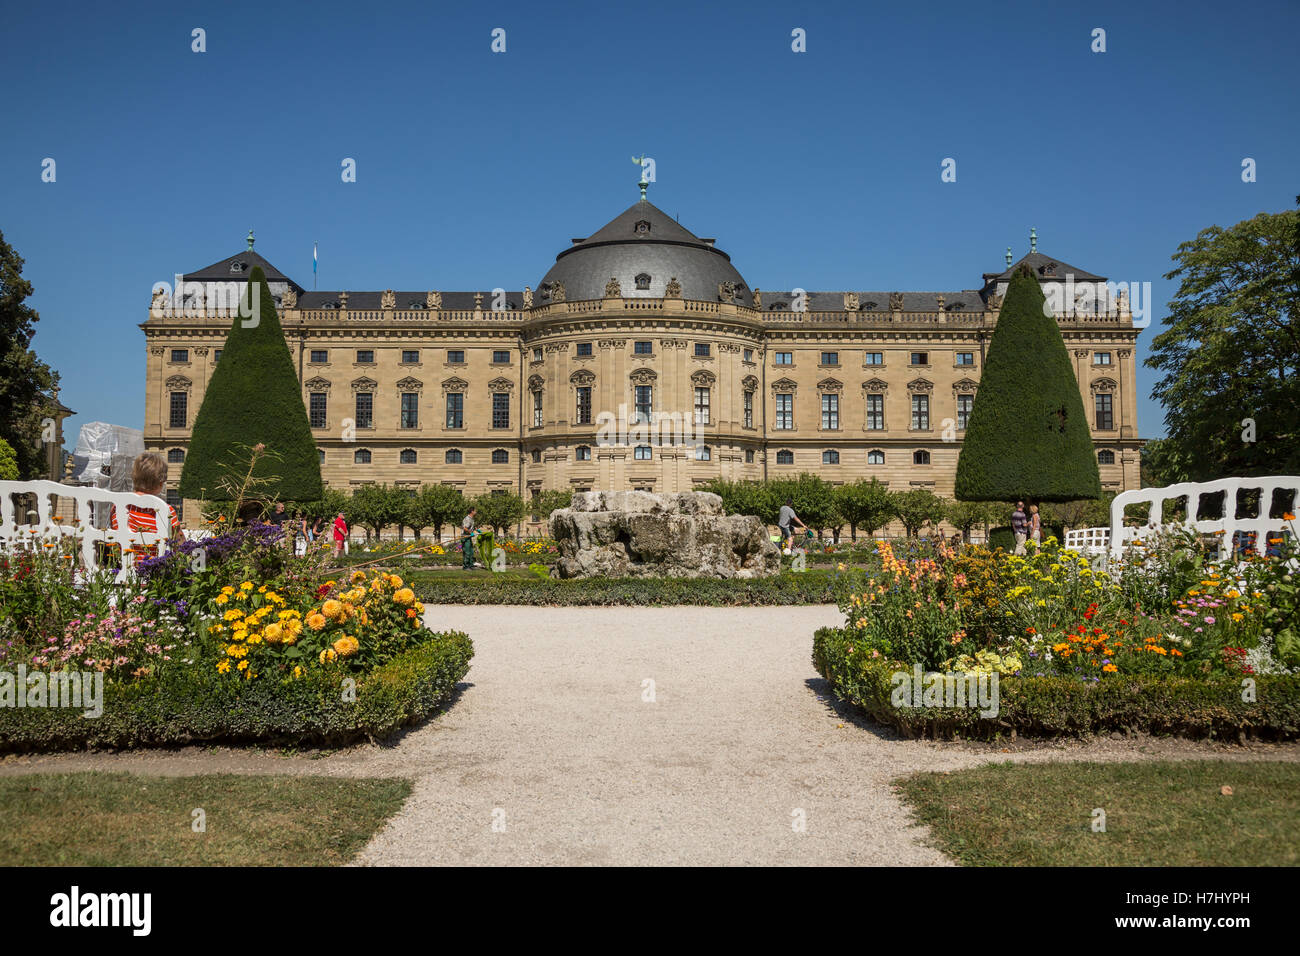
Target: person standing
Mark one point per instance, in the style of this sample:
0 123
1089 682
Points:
340 534
467 540
1020 526
784 520
1035 526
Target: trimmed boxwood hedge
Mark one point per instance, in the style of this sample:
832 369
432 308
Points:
198 705
1060 706
803 587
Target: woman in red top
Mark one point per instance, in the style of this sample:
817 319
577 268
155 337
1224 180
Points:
340 534
148 476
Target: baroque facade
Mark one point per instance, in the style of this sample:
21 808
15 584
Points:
641 322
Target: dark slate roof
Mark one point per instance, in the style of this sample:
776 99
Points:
970 299
246 262
663 251
453 301
1046 268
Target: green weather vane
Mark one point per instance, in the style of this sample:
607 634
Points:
640 161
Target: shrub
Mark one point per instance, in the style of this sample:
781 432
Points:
197 705
808 587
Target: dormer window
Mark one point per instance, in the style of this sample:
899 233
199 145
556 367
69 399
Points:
867 306
778 307
643 281
238 267
642 227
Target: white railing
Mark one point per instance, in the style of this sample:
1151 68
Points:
1230 532
51 528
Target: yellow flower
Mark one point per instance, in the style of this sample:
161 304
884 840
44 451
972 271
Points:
246 586
332 609
232 614
316 620
242 666
394 580
358 576
272 633
223 666
347 645
404 596
222 599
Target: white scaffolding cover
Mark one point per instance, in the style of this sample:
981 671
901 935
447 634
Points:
104 455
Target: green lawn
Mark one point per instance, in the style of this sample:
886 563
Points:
1157 814
120 819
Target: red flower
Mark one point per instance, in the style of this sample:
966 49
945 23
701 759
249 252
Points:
323 590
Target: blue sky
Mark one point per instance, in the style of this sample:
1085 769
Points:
819 170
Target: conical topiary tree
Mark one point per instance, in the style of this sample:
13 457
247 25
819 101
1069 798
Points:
1028 435
253 397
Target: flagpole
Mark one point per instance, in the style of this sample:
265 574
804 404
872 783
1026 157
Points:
313 266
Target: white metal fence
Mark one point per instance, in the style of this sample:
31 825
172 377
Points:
27 525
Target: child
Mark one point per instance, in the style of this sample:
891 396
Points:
148 475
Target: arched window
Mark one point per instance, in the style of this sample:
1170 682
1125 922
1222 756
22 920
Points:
1105 457
500 456
703 453
454 456
406 456
582 453
875 457
830 457
361 456
175 455
785 457
920 457
321 453
643 281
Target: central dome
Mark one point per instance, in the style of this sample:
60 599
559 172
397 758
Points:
644 248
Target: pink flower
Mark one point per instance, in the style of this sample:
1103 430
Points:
1208 620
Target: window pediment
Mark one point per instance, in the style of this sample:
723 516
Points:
830 385
535 382
582 377
1103 385
501 384
455 384
644 376
176 382
785 386
965 385
875 385
920 385
317 384
364 384
703 377
409 384
749 382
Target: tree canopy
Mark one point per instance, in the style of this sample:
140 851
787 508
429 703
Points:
1028 435
25 381
1230 353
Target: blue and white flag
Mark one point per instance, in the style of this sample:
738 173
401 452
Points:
313 258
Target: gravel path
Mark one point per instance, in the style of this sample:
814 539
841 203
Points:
552 737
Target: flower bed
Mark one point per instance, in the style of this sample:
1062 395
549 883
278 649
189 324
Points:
1166 642
231 638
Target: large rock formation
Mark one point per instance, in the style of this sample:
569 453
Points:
640 534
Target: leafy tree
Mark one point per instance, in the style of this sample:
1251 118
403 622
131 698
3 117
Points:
917 508
746 498
375 507
812 497
1028 436
1230 351
25 381
543 503
329 504
435 506
865 504
964 515
499 511
254 397
1084 513
8 462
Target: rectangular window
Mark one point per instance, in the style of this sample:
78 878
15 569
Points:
173 498
180 355
410 356
702 350
500 409
455 357
965 403
643 405
365 357
785 412
216 356
320 356
584 349
410 409
920 358
583 412
749 409
365 410
642 348
319 406
784 358
875 358
537 355
701 406
537 408
455 410
830 358
1105 415
644 453
500 357
1100 358
180 405
965 358
921 412
830 411
748 355
876 413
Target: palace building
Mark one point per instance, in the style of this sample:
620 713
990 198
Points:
641 322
